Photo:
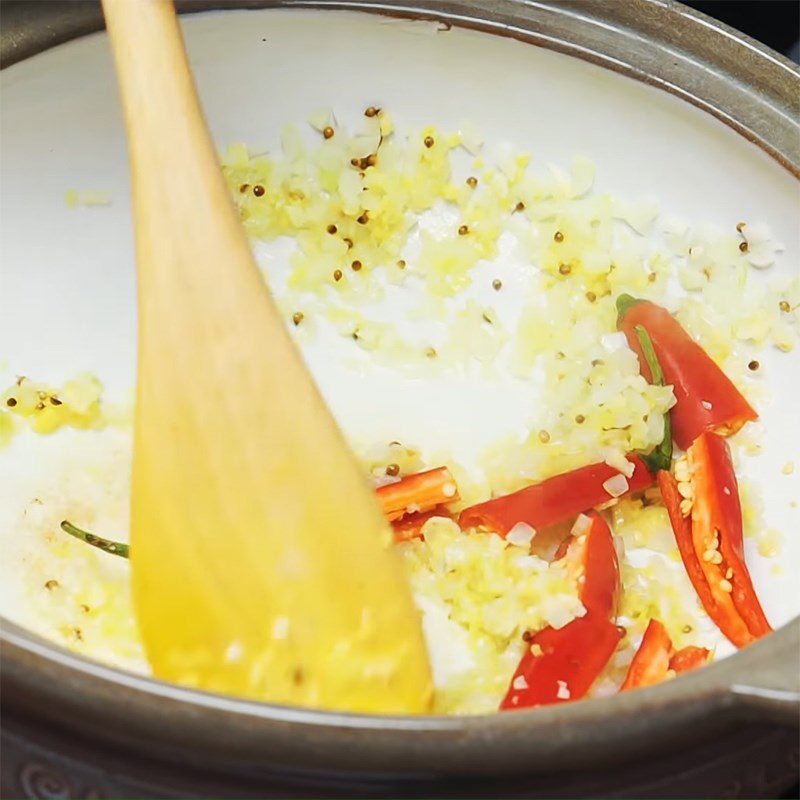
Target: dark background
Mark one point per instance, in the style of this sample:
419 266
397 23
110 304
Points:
774 22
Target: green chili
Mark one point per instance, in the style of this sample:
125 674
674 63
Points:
661 456
106 545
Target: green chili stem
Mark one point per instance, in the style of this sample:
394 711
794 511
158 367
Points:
661 456
624 302
115 548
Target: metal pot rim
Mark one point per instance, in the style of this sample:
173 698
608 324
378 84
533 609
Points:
747 86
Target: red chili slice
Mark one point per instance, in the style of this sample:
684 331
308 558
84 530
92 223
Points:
655 658
706 398
650 664
410 526
689 658
417 493
562 664
554 500
711 541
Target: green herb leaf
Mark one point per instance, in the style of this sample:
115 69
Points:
661 455
115 548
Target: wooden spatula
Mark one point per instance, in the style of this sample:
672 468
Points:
261 564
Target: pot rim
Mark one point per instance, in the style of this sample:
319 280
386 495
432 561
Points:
751 89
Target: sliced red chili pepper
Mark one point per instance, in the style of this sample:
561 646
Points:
410 526
650 664
711 541
689 658
592 561
417 493
656 657
554 500
562 664
706 398
716 507
682 528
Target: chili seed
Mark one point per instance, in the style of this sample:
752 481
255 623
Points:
337 274
393 470
331 229
753 365
580 419
784 306
297 317
591 297
244 187
652 277
258 190
743 247
520 206
401 264
371 111
497 284
544 437
11 402
428 142
431 352
363 219
327 132
472 181
356 265
558 236
348 242
51 584
565 269
463 230
371 160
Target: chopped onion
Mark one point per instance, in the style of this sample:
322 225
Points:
521 534
617 461
616 486
613 341
581 526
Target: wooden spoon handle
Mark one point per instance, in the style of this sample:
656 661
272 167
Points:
261 564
